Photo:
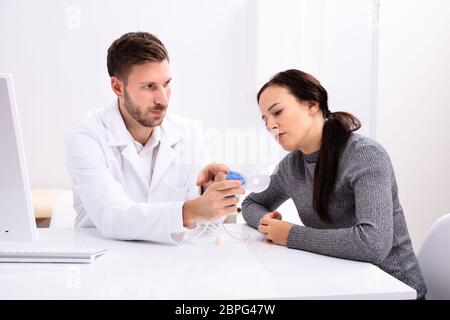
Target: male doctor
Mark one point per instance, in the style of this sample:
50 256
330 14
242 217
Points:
133 167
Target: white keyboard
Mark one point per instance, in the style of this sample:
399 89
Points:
51 255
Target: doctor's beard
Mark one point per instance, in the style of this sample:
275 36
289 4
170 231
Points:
144 118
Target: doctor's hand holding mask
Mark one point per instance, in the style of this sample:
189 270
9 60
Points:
135 170
219 196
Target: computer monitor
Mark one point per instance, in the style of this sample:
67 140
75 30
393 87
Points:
17 221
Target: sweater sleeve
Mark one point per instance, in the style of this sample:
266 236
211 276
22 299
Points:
370 238
258 204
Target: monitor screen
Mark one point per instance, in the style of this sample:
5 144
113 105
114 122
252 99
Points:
17 222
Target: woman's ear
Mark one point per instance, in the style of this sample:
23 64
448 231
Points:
313 108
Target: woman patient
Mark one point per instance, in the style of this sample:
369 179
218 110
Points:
343 184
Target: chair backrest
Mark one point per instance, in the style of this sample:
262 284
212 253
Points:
434 259
63 213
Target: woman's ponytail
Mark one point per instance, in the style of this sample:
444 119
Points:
336 131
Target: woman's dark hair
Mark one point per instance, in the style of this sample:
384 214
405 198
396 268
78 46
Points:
336 131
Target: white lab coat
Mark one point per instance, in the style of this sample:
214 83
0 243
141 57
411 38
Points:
109 192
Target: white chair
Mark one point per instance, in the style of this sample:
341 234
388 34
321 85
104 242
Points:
434 259
63 213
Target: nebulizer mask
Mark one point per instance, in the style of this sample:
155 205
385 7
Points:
214 233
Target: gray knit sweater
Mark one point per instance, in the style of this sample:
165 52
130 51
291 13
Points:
367 220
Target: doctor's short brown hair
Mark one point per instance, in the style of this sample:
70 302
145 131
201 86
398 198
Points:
134 48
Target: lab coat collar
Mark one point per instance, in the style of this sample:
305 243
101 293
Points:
118 134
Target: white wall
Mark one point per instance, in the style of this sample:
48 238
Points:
56 51
413 118
332 40
221 53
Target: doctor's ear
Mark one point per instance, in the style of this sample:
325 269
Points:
117 86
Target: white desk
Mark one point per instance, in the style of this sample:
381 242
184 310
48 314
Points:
143 270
